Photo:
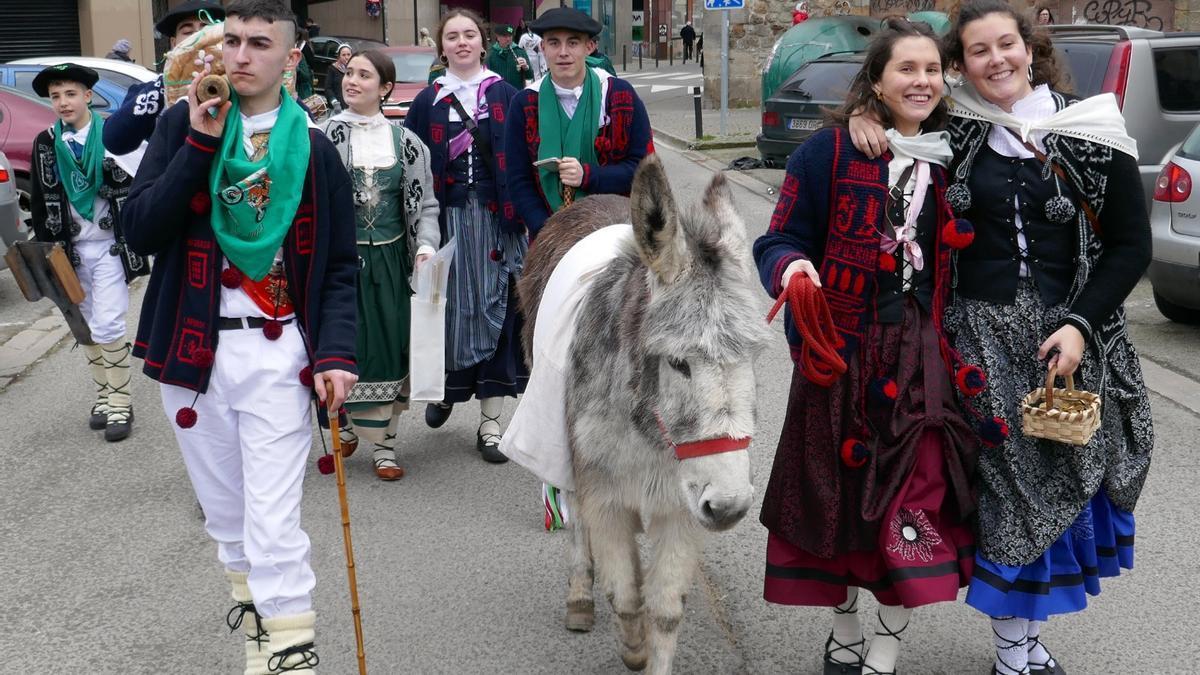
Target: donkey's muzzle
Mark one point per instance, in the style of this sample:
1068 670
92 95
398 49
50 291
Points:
722 513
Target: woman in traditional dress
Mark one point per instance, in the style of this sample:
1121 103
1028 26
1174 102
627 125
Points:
461 118
337 73
1058 246
396 214
870 485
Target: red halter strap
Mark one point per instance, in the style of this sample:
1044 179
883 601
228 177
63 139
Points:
711 446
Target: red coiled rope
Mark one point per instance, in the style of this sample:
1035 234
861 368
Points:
819 359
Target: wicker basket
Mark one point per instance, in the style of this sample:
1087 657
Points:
1065 415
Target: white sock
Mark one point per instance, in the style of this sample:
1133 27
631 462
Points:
847 630
1011 636
1038 656
885 646
490 410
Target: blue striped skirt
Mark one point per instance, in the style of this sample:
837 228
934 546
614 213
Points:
1098 544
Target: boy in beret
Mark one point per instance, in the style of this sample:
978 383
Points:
76 194
251 305
508 61
134 122
594 123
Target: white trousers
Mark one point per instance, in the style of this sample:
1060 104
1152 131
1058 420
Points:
106 297
246 457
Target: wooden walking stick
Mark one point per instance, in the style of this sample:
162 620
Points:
340 471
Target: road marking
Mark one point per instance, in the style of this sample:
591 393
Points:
689 76
651 76
1169 384
654 89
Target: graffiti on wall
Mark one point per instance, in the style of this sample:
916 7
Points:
1124 13
884 7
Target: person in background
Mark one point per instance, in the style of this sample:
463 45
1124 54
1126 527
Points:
598 59
120 51
335 75
313 28
688 35
425 40
509 61
396 213
304 73
461 118
77 192
1044 16
133 123
531 42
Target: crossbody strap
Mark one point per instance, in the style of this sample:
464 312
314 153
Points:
1058 171
485 146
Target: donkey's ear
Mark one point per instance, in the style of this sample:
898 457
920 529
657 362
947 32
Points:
718 201
656 220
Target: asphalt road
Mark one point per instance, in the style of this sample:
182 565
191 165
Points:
106 568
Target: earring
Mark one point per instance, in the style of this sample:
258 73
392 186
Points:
444 60
1031 72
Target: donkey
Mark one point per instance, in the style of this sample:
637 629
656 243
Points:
660 400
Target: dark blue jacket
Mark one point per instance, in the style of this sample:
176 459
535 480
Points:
134 122
432 124
620 146
167 215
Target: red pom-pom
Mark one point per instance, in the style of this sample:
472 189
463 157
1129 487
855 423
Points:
494 255
958 233
884 390
887 262
325 464
231 277
201 203
272 329
186 418
202 357
971 380
854 453
993 432
493 207
306 376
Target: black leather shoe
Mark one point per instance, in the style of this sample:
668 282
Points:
490 449
118 431
1044 669
833 667
98 420
436 414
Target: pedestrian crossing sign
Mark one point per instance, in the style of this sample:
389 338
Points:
724 4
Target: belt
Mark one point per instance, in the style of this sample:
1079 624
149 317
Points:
245 322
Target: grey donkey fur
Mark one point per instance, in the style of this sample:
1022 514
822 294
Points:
667 334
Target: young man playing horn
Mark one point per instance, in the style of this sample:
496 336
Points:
250 306
76 194
594 124
134 122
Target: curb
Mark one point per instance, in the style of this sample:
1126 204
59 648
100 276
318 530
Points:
682 144
27 347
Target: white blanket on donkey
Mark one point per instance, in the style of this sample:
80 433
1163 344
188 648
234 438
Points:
536 437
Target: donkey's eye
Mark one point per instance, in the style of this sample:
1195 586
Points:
680 365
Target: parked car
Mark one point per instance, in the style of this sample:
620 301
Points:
106 95
1175 227
22 117
119 73
325 53
794 111
412 72
10 217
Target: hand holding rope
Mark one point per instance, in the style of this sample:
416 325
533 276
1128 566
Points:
819 359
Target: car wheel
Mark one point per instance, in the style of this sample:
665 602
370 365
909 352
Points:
23 203
1176 313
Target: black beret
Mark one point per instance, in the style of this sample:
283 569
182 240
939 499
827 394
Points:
168 22
504 29
64 72
566 18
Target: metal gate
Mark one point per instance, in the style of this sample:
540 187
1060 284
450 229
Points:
43 28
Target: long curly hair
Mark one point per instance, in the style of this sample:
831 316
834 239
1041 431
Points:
1046 67
861 98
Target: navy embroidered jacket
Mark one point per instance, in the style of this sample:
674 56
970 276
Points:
620 146
432 124
167 215
134 121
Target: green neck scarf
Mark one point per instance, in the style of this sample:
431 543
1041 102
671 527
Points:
255 202
564 136
82 177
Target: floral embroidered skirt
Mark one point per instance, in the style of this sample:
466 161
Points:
896 524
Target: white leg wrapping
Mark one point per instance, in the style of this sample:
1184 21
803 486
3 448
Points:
291 643
244 616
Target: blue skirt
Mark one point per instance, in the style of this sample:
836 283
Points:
1098 544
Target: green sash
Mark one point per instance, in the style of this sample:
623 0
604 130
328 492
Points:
255 202
81 177
564 136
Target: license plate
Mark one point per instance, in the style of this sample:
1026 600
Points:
803 123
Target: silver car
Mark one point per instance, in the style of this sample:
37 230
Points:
1175 224
10 211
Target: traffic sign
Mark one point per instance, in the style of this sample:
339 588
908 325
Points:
724 4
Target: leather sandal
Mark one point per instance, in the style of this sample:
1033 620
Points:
835 667
387 469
